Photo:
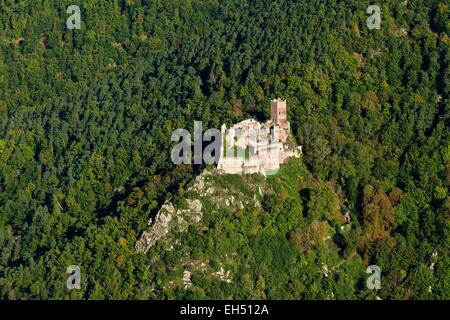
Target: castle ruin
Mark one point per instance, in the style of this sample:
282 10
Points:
253 147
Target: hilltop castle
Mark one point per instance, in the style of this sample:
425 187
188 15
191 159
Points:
253 147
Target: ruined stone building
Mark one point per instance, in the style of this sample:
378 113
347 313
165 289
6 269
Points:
253 147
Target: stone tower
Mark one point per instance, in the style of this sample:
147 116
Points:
278 112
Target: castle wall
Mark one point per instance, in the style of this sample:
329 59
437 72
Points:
265 143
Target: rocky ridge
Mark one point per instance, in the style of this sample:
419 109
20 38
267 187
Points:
204 190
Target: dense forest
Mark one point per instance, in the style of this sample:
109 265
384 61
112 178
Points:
86 117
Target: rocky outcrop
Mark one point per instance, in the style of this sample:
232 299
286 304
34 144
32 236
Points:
187 279
159 228
166 219
223 275
207 189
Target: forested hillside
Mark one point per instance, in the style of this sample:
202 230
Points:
86 118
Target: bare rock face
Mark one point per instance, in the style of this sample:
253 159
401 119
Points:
187 279
167 218
223 275
159 228
192 215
